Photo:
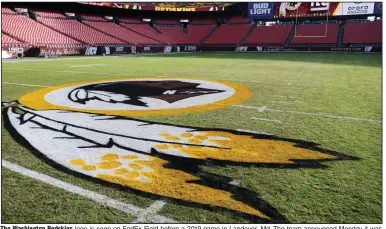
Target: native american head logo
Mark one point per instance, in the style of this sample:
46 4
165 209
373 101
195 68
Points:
131 92
78 127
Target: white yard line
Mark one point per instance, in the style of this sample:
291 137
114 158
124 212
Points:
264 108
22 84
252 132
150 212
283 96
101 199
86 65
268 120
282 102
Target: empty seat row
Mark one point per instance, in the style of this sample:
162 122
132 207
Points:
7 11
80 31
121 32
269 35
5 39
25 29
49 14
363 33
228 34
316 34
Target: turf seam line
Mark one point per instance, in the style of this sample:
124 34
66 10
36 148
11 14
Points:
307 113
150 212
101 199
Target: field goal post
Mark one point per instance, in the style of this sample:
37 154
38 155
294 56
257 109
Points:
296 25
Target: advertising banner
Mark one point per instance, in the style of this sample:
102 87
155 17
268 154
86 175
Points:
378 8
159 6
307 9
355 8
260 10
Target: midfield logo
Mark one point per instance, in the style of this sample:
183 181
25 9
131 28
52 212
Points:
87 128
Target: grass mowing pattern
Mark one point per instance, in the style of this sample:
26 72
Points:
331 83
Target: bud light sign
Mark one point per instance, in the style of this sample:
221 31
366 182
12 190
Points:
260 10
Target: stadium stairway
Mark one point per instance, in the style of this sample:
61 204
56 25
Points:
59 31
210 34
108 34
132 30
155 28
290 36
246 36
7 38
339 42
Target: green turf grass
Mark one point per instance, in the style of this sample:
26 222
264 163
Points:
341 84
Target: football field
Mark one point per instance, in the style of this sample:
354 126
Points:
315 123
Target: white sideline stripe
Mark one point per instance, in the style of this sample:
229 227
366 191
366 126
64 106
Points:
22 84
101 199
252 131
150 211
69 58
308 113
263 119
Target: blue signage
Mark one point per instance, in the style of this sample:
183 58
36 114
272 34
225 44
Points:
378 8
260 10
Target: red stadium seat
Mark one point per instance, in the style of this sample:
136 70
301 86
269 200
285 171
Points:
121 32
49 14
80 31
269 35
322 34
363 33
25 29
7 40
229 34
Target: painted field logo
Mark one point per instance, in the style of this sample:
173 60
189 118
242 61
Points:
138 96
81 127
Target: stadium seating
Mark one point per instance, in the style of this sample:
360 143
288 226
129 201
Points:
322 35
195 34
25 29
7 40
120 32
7 11
80 31
363 33
228 34
147 31
49 14
92 18
269 35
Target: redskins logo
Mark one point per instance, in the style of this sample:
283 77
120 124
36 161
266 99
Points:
138 97
88 128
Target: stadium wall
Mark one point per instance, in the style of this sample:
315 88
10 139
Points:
125 50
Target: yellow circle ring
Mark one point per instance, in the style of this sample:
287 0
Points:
35 100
